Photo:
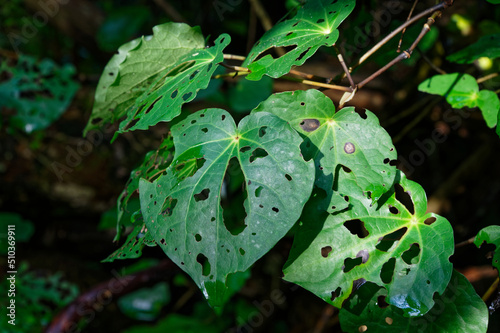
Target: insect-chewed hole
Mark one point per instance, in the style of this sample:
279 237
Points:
387 160
387 271
411 256
262 131
174 93
168 206
203 195
245 149
393 210
350 263
325 251
193 74
242 252
275 209
386 242
302 55
381 302
430 220
336 294
346 169
320 21
356 227
233 209
258 191
187 96
204 130
404 198
197 237
258 153
289 34
152 105
205 264
288 177
310 125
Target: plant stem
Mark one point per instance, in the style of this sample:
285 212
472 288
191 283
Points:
265 20
344 66
465 243
487 77
404 30
491 290
318 84
234 57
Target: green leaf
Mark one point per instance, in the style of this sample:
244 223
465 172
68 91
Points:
39 92
461 90
495 2
458 309
163 100
137 64
314 25
246 95
486 46
23 229
396 245
146 303
338 140
490 235
182 209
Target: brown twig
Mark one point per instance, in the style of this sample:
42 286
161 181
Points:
265 21
491 290
344 66
404 30
170 11
465 243
487 77
430 63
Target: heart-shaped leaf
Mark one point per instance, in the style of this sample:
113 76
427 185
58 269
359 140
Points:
137 64
314 25
163 100
346 139
458 309
462 90
490 235
396 245
486 46
182 209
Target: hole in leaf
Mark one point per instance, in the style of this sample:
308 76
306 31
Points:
409 255
387 271
295 24
393 210
193 121
174 93
350 263
275 209
430 220
223 117
197 237
388 240
349 148
362 113
242 252
320 21
153 105
96 121
188 168
336 293
310 125
258 153
193 75
205 264
288 177
258 190
187 96
346 169
168 206
245 149
364 255
204 130
404 198
203 195
325 251
356 284
262 131
162 241
302 55
386 160
356 227
132 123
233 210
289 34
381 303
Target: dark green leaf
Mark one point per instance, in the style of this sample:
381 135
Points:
490 235
138 64
246 95
396 245
314 25
145 303
23 229
182 209
458 309
486 46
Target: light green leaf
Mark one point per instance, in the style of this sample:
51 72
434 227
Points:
486 46
490 235
461 90
137 64
314 25
163 100
394 245
458 309
335 140
39 92
182 209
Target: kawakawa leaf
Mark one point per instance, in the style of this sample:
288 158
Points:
314 25
490 235
136 66
458 309
182 208
346 139
486 46
38 91
394 244
163 100
462 90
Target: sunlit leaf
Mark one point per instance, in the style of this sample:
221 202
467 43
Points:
314 25
396 245
490 235
486 46
458 309
183 210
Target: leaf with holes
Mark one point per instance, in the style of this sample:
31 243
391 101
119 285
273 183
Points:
136 241
458 309
313 26
355 142
137 65
490 235
163 100
486 46
462 90
394 244
185 210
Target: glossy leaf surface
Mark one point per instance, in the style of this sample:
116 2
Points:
314 25
486 46
396 245
182 209
458 309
